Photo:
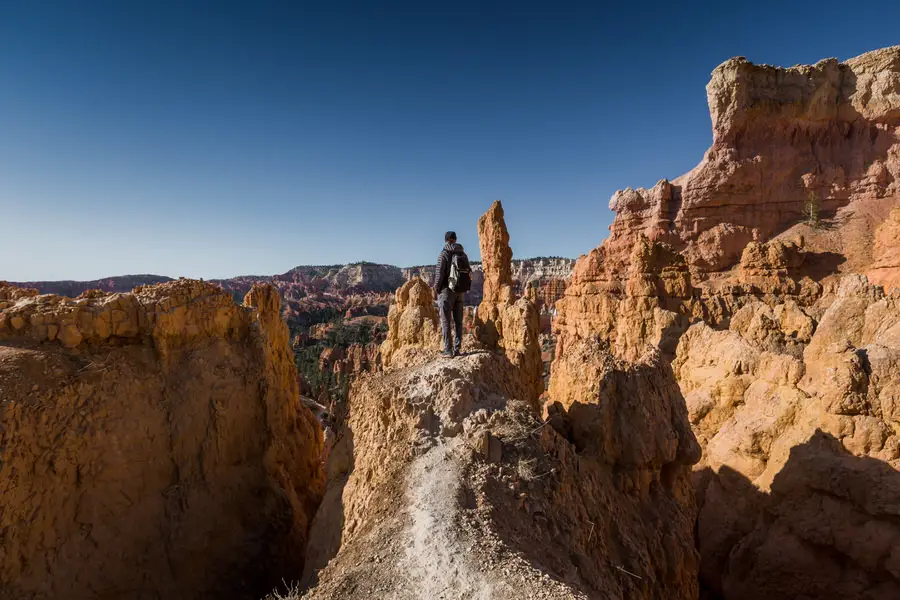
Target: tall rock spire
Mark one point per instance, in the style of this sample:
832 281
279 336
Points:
504 323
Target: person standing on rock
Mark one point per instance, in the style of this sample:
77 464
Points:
452 279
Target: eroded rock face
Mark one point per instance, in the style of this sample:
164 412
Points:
885 267
151 443
729 233
632 306
787 361
778 135
800 429
446 482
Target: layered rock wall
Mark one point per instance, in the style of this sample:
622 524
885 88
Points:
831 129
733 229
151 444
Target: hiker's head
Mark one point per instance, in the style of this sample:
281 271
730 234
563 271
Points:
450 237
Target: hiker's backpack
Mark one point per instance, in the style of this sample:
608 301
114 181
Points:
460 279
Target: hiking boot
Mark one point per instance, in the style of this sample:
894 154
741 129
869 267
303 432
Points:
456 352
447 354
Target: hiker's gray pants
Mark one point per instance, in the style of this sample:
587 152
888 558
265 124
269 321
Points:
450 304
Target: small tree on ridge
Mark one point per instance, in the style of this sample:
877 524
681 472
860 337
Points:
811 211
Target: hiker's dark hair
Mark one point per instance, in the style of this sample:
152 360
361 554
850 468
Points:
450 236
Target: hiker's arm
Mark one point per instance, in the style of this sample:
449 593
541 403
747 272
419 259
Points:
438 274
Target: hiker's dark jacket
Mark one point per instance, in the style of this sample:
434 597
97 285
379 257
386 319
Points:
442 272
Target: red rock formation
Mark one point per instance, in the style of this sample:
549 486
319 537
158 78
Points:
544 293
151 443
496 255
352 361
790 376
778 135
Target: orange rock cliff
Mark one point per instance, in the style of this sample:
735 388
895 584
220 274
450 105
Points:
749 273
151 443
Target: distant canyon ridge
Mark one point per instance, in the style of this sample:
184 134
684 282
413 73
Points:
337 314
543 278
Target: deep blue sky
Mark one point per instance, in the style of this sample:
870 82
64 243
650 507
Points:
212 139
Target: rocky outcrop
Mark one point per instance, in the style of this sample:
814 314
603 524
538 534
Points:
413 325
787 363
135 431
502 322
644 302
729 232
779 135
445 483
799 422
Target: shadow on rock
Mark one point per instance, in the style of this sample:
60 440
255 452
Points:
828 529
328 523
603 498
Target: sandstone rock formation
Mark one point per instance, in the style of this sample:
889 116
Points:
779 135
830 129
445 483
413 324
799 479
545 293
788 363
152 444
631 305
502 322
885 267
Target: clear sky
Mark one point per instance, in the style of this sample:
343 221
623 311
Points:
212 139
